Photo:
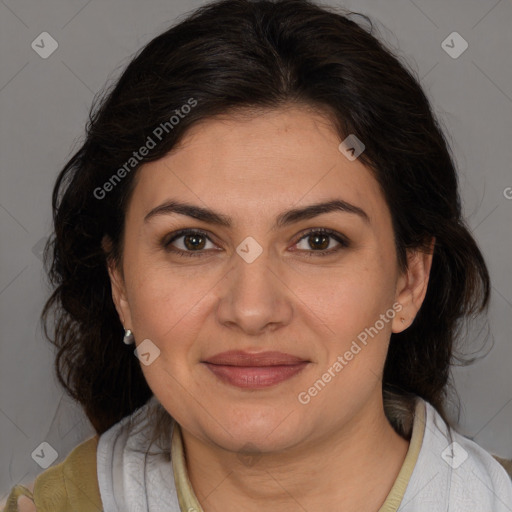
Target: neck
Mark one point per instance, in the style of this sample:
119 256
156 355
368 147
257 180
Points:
359 460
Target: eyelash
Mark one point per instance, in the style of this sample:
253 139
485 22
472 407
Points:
342 240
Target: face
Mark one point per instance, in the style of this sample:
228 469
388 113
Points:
255 278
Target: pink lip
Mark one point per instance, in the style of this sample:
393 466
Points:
241 358
254 370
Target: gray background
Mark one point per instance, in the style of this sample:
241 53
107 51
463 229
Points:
44 105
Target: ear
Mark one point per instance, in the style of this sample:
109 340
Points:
117 284
412 286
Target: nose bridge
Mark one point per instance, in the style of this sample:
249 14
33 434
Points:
252 281
253 296
252 264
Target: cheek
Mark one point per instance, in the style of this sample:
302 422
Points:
356 348
170 313
162 297
351 296
358 294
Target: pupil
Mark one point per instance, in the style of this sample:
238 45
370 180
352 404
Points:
194 244
315 239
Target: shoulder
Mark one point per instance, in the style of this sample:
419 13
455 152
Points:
71 485
468 477
73 481
506 463
490 470
460 451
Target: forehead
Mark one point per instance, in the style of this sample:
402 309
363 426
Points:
257 165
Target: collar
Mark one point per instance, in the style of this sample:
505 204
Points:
188 500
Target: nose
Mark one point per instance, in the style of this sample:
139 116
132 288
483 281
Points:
254 297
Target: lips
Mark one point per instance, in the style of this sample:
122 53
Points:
254 370
241 358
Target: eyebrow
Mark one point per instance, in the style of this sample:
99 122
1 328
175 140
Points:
285 218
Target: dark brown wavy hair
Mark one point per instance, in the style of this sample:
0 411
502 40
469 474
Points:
236 55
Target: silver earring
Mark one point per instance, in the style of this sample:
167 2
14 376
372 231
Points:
128 337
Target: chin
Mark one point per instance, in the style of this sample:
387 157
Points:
265 430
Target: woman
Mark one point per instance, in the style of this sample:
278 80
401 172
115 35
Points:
266 212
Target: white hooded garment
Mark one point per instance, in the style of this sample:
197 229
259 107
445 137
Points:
451 473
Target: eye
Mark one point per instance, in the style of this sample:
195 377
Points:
193 242
319 239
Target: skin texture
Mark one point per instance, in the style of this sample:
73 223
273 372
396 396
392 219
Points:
288 299
26 504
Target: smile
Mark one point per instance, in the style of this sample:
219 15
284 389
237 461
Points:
255 377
